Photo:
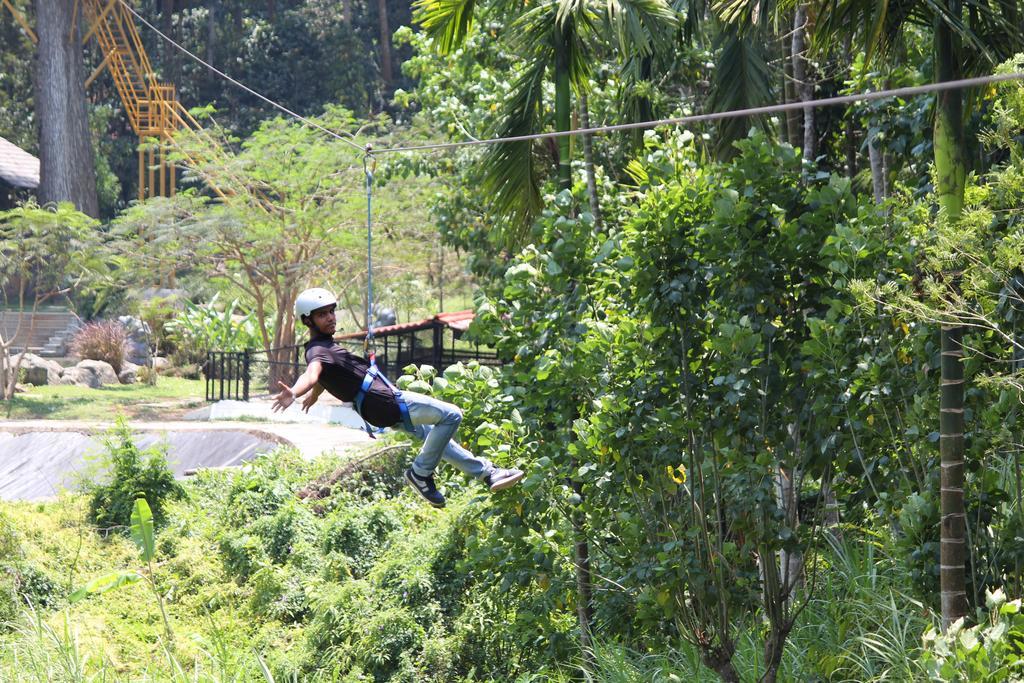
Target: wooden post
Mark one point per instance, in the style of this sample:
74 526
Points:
142 173
152 172
163 172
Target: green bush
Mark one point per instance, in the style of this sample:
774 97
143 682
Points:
987 652
337 611
242 554
279 594
288 526
130 474
257 492
360 534
106 340
383 637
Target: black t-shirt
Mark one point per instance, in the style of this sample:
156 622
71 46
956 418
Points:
343 374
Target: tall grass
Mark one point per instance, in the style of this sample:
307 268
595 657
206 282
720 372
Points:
861 625
36 651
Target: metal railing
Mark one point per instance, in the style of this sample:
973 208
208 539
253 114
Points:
244 375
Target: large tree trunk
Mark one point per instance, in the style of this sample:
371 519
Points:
951 176
791 563
802 76
850 129
346 12
67 166
878 175
588 163
211 31
584 582
385 43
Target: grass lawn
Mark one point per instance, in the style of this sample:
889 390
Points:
169 399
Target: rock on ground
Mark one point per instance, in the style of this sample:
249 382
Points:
38 371
90 373
129 373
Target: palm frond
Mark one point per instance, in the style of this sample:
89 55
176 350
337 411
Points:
694 12
510 175
447 22
989 36
641 26
742 80
634 95
537 31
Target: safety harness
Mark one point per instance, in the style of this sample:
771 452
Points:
371 374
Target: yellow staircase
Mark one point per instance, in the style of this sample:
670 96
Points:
152 107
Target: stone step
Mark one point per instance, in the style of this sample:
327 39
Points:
44 332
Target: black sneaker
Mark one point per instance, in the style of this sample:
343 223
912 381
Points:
500 479
425 487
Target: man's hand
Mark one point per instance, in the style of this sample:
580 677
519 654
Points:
283 399
311 398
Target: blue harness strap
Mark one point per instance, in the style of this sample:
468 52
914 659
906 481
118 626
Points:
403 408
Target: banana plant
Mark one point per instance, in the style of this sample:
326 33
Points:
144 537
205 327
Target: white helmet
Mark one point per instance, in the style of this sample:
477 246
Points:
312 299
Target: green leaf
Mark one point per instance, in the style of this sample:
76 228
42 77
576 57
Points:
419 386
104 583
448 22
267 676
142 529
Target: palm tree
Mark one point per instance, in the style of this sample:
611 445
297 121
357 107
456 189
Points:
970 36
566 35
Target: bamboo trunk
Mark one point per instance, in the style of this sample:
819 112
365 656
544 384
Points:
563 110
802 77
951 175
385 43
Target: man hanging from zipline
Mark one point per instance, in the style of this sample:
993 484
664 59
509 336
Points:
350 378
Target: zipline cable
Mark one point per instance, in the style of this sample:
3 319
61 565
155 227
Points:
908 91
241 85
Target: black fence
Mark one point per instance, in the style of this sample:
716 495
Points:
243 375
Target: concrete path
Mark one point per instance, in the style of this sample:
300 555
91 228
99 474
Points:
39 457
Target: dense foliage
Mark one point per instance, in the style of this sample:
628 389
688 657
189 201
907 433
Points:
731 351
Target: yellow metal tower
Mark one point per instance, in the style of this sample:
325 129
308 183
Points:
153 109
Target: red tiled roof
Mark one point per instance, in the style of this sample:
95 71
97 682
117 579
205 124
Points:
18 167
458 320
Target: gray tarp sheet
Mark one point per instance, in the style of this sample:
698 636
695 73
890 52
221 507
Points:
37 465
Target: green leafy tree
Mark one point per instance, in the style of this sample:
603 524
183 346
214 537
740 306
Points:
968 38
45 253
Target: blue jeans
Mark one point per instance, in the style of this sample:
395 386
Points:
435 422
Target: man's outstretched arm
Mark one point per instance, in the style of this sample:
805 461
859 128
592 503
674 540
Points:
304 383
312 397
